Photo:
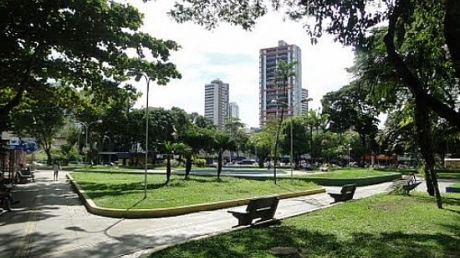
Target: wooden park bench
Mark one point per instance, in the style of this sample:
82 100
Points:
346 193
261 207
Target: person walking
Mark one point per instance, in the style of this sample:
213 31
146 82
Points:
56 168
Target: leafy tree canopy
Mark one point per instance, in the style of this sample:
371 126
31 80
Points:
86 44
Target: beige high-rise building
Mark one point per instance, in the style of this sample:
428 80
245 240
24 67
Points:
216 102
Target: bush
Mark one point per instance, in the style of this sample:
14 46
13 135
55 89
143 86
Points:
199 163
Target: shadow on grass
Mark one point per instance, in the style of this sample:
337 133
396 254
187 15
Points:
97 190
258 242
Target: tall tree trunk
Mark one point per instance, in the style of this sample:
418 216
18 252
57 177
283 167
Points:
219 164
188 165
424 136
168 168
49 159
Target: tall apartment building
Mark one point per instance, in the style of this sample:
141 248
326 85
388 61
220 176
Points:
234 110
304 105
216 102
276 95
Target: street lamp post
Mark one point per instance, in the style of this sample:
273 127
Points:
138 75
147 80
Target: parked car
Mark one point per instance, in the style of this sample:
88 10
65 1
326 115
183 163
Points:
37 164
247 162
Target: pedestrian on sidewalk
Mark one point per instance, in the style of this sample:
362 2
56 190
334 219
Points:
56 168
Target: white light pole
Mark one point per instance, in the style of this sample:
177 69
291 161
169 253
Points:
147 80
137 77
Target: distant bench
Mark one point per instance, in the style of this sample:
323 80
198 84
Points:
410 183
24 175
346 193
261 207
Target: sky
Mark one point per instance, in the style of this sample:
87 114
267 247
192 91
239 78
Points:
232 55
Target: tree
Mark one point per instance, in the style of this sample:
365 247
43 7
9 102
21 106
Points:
234 128
222 142
42 118
88 45
299 138
316 122
349 108
262 142
196 139
386 82
171 149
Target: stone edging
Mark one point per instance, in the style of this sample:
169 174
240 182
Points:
165 212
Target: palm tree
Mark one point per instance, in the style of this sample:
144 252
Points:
222 142
171 149
285 71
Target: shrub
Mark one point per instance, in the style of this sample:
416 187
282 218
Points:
199 163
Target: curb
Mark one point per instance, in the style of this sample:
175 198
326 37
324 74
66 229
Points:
167 212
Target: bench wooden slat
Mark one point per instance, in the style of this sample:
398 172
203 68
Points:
263 208
346 193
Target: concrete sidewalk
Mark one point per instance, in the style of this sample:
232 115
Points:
50 221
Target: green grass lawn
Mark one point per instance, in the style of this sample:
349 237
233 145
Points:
380 226
123 191
455 174
349 173
455 185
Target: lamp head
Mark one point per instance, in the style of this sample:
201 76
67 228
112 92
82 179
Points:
306 100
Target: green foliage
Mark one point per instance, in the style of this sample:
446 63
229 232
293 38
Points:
201 163
80 44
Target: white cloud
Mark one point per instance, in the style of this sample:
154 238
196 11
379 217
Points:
231 54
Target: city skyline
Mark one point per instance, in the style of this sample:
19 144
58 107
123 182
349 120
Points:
232 54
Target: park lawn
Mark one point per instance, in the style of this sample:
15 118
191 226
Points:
124 191
454 174
455 185
379 226
350 173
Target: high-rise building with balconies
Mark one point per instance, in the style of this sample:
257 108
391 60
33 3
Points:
275 94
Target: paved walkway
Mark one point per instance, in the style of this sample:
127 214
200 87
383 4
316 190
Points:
50 221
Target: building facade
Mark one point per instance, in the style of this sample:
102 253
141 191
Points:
304 104
216 102
276 95
234 110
